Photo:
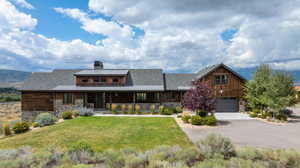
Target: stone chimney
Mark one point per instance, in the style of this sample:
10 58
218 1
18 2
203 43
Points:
98 65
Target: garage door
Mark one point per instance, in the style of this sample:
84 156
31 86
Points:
227 105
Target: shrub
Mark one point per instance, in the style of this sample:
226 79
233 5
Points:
190 156
21 127
6 130
86 112
281 117
185 117
178 109
66 115
197 120
123 109
45 119
256 111
80 152
114 108
76 113
202 113
35 124
214 145
152 109
167 111
161 109
138 109
253 115
80 146
130 109
263 115
250 153
210 120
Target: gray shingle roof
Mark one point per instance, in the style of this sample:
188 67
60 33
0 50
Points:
178 81
44 81
146 77
209 69
137 79
110 88
92 72
205 71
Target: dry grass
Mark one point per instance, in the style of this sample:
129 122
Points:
10 112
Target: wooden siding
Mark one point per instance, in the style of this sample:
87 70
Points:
37 101
77 95
234 87
172 96
92 80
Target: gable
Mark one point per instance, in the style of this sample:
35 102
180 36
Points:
219 68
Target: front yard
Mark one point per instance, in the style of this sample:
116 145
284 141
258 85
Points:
103 133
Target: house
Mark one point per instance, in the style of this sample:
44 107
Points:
98 88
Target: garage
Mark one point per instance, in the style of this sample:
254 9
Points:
227 105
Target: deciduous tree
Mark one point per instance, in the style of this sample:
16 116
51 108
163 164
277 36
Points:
199 97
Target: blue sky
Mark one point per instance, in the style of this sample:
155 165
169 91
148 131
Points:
43 35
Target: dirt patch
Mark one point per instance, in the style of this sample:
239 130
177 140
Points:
10 111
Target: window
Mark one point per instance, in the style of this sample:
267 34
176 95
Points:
68 98
141 97
103 80
221 79
84 80
97 80
115 80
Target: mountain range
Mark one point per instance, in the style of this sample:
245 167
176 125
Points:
14 78
248 72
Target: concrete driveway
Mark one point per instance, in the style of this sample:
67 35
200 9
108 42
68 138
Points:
254 133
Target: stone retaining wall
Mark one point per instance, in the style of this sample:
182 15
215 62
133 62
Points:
31 115
60 107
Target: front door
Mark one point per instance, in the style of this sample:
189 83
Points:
95 100
99 100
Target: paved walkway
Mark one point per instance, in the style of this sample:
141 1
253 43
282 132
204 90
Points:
253 132
232 116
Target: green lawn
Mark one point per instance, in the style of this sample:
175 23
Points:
104 133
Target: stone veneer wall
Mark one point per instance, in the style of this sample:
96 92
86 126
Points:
60 107
242 105
31 115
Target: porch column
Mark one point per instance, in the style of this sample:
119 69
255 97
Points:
110 100
133 101
103 99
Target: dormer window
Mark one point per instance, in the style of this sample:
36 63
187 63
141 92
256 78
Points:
221 79
103 80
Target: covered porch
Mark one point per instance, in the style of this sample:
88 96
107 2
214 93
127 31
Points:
103 100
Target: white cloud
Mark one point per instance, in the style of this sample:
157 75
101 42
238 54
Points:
100 26
23 3
268 30
179 35
11 18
